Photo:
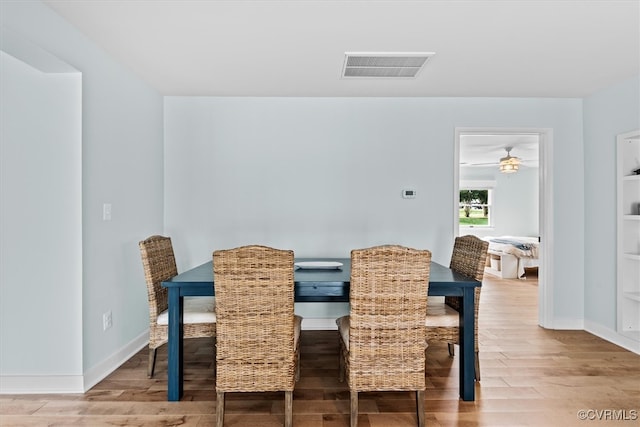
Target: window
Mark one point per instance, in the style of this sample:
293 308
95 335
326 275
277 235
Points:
475 204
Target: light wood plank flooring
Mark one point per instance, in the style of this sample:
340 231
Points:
530 377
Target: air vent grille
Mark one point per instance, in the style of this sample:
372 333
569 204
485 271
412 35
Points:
401 65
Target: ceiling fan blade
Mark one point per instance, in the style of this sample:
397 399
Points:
522 161
480 164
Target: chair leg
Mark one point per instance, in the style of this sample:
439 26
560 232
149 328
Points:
220 409
452 351
477 366
420 407
215 357
288 408
152 362
341 362
354 408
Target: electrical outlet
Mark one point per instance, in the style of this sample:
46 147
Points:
107 320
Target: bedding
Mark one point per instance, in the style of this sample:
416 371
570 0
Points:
525 249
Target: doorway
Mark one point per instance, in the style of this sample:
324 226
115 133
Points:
533 147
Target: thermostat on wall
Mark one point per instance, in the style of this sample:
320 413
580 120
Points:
408 194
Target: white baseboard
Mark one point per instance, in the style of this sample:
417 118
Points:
52 384
598 330
612 336
319 324
41 384
97 373
567 324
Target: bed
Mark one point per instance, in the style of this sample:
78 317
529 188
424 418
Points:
508 256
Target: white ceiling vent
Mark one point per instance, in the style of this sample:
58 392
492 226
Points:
384 64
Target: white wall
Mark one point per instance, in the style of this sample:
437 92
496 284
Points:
122 163
515 203
324 175
40 222
607 113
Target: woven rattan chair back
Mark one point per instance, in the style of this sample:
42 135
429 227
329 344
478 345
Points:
469 258
388 297
255 322
159 264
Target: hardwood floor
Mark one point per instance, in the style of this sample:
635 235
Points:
530 377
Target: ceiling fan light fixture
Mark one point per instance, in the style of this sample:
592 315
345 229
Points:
509 164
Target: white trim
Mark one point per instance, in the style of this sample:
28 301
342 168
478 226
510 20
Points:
612 336
51 384
319 324
546 273
456 181
40 384
97 373
478 184
567 324
546 301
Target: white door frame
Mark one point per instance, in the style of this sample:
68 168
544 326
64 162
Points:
545 206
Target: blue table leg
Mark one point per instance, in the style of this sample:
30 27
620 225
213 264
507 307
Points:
467 350
175 345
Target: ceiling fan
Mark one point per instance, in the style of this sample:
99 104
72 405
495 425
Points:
507 164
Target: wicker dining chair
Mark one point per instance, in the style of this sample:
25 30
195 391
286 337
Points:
258 333
159 264
443 319
382 340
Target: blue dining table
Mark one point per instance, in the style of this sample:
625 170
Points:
321 285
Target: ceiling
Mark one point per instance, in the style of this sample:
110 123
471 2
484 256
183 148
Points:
483 48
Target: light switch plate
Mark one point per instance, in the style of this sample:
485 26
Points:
106 212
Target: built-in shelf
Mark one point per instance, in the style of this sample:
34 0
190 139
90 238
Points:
632 295
628 237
